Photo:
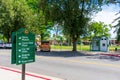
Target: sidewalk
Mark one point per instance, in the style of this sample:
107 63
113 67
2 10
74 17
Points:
13 74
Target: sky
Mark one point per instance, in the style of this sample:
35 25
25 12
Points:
107 15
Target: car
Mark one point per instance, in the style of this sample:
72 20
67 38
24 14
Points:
8 45
45 46
2 45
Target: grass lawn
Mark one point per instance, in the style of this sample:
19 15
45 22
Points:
83 47
112 48
80 48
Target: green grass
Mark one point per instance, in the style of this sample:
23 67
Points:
80 48
86 48
61 47
112 48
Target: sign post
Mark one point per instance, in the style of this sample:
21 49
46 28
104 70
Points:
23 71
23 48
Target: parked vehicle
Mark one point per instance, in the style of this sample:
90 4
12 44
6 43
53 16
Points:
5 45
45 46
8 45
2 45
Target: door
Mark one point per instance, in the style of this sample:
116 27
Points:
103 45
95 45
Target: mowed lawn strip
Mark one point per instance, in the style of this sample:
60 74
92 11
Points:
81 47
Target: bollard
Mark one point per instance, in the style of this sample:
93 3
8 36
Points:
115 49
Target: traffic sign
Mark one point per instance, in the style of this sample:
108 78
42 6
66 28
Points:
13 56
23 47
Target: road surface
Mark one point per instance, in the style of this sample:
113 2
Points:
69 66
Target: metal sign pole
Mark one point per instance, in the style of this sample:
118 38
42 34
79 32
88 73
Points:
23 71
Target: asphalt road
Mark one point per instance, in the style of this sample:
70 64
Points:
69 65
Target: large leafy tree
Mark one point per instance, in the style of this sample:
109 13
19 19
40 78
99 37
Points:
74 15
117 26
14 14
99 29
6 18
41 26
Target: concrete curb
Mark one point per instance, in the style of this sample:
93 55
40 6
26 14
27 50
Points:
113 55
38 76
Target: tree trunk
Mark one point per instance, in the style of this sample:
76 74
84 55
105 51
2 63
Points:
8 38
69 42
74 45
41 37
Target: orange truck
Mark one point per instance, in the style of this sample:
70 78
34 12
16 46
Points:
45 46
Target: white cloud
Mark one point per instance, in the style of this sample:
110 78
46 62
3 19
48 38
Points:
107 15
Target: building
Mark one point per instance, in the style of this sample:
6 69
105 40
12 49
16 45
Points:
100 44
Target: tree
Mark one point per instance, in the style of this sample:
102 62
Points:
13 15
74 15
41 27
117 26
6 18
99 29
114 1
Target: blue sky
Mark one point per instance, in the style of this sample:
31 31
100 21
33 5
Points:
107 15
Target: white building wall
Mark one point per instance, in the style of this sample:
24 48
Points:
104 42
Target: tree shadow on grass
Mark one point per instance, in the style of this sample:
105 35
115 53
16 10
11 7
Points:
62 54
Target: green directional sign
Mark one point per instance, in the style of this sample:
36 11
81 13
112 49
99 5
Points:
24 47
13 56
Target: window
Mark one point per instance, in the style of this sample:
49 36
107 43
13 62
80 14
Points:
103 44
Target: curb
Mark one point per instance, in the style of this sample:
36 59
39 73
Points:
113 55
30 74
